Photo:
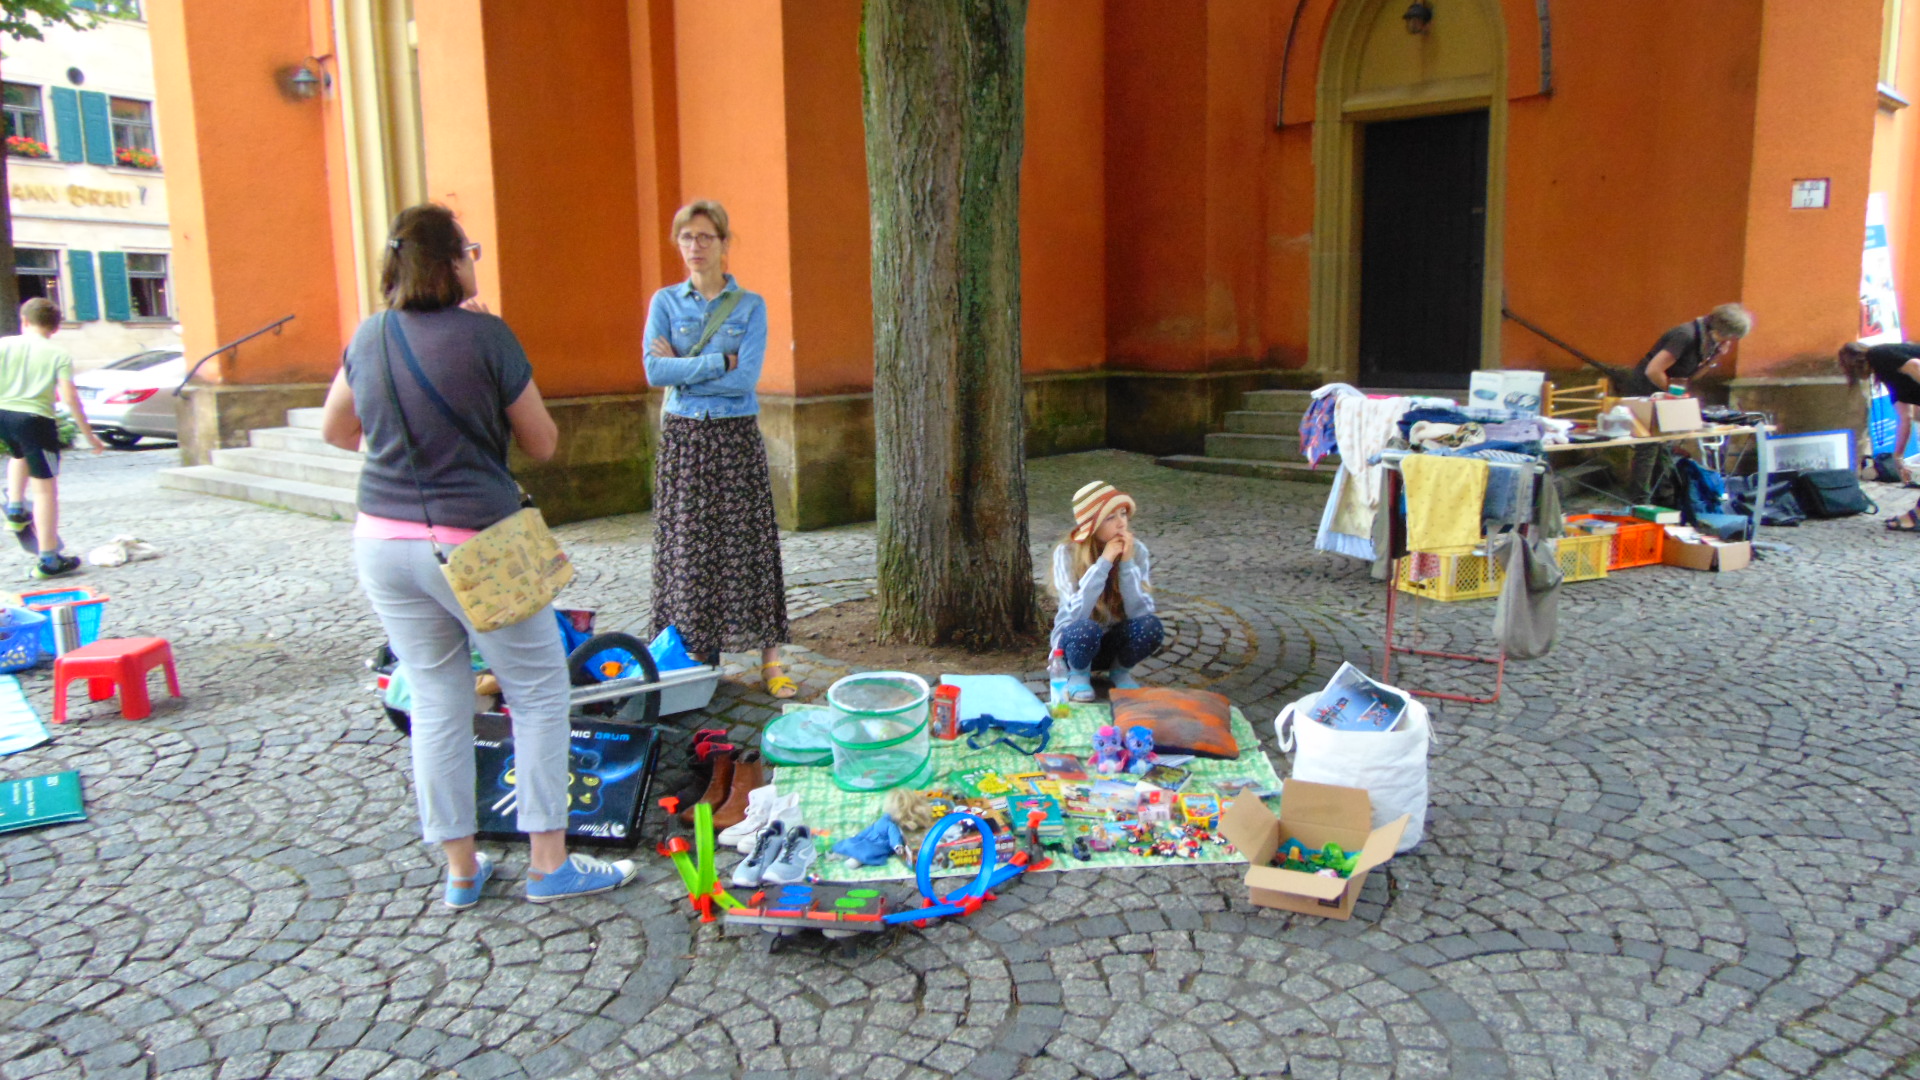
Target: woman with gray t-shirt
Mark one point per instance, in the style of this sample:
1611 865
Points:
438 391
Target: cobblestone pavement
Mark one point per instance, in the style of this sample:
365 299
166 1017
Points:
1677 848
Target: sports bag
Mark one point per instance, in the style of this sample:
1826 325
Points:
1831 493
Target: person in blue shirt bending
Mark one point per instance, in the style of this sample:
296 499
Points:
716 548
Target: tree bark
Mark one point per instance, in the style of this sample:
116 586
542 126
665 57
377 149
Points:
944 124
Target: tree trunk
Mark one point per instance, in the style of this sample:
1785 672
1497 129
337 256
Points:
945 115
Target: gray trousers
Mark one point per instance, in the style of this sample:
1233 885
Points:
429 634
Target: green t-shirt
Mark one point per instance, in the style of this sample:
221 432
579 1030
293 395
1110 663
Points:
30 368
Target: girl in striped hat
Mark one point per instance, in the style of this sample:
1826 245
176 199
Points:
1100 573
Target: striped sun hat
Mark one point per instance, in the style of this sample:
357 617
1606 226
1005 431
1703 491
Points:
1092 504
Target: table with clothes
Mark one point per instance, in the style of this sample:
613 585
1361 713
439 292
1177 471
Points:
1453 498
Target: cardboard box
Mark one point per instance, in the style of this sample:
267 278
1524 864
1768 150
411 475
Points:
1519 391
1720 555
1642 410
1316 815
1671 414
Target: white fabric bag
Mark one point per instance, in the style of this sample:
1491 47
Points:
1390 765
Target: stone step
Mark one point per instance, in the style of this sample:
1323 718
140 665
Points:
1277 401
1256 422
317 499
287 465
1227 444
304 418
299 440
1296 471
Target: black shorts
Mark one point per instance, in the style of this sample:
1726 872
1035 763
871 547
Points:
35 438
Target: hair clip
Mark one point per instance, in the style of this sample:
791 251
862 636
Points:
394 243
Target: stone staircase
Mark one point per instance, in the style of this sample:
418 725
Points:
289 467
1262 439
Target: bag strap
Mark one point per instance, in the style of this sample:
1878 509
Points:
493 455
714 318
406 430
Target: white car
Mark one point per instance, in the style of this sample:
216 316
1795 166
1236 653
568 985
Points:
132 398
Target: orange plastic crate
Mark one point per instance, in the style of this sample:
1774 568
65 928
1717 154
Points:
1637 543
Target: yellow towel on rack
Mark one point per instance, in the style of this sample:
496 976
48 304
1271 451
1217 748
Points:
1444 500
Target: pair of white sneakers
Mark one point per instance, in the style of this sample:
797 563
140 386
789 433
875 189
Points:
764 806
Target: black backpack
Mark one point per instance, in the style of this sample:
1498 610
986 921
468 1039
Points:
1831 493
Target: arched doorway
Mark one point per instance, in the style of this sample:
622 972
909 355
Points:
1409 160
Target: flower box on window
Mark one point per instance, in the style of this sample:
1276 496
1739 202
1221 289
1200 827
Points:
134 159
27 146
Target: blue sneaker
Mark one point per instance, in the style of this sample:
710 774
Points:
1080 686
580 875
460 897
1122 678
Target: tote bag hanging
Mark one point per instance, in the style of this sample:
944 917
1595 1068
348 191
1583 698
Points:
513 568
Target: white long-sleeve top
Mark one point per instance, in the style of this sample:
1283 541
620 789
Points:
1077 598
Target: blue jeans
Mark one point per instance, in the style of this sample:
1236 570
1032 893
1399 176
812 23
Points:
1088 645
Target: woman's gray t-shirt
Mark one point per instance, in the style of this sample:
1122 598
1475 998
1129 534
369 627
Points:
478 366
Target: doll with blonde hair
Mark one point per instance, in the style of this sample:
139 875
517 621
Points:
1101 576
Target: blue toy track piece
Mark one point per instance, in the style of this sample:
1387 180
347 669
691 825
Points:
991 876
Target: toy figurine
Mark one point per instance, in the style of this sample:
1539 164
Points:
874 845
1108 756
1139 750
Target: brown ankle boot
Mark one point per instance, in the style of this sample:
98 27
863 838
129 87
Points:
748 774
717 788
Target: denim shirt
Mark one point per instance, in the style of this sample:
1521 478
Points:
701 386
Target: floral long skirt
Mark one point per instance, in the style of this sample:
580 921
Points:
716 548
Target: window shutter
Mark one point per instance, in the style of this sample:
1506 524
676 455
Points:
66 124
86 303
99 127
113 286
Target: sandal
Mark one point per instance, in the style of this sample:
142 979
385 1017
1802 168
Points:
1911 520
781 685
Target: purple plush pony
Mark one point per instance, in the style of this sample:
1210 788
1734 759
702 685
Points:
1108 757
1139 750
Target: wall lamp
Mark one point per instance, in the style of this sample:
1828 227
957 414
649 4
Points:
306 80
1418 16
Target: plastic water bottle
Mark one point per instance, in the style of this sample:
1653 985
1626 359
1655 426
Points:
1057 680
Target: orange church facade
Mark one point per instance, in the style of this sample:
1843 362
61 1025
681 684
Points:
1216 195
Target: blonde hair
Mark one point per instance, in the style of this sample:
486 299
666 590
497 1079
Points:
711 210
1730 321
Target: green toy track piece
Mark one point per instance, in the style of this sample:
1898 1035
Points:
703 848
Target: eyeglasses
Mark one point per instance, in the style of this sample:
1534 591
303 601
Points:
697 239
472 248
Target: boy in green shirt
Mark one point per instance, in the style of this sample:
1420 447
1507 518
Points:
32 368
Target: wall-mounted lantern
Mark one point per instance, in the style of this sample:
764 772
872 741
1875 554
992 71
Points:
1418 16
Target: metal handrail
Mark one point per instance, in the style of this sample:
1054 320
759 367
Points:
234 344
1615 373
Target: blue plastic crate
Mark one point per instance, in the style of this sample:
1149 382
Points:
20 639
89 609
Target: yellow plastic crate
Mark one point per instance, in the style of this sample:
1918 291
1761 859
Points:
1583 557
1461 577
1475 577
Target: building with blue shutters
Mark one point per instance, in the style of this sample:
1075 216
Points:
87 183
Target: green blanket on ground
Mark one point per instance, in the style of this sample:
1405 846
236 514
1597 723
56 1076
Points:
837 814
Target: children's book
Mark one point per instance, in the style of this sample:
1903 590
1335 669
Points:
1062 766
1027 783
1053 826
977 783
1353 702
1113 796
1171 777
34 801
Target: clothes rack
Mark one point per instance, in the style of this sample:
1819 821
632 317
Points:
1390 505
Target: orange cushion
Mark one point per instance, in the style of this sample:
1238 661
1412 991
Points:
1196 722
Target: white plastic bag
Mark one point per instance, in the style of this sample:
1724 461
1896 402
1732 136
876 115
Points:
1390 765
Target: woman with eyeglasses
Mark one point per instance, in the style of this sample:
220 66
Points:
716 548
439 389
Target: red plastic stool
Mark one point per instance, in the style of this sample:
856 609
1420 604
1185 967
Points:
111 662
